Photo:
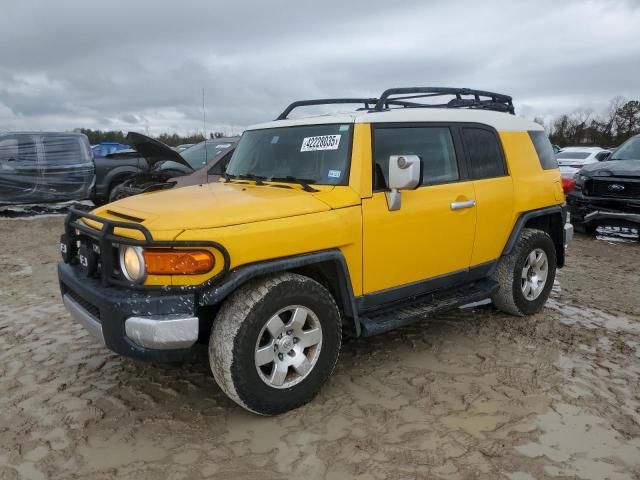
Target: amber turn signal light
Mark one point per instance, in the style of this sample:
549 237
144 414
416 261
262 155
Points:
178 262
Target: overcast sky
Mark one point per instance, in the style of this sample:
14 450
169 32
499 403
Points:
141 65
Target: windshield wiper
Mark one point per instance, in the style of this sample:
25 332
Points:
228 177
303 182
256 178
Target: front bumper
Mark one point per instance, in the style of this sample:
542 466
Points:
594 210
151 325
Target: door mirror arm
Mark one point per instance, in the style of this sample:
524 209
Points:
404 174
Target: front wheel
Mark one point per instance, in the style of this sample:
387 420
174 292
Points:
275 342
526 275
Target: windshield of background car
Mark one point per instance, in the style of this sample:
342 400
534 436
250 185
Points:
200 154
629 150
315 153
573 155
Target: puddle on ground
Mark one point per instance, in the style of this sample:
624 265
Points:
586 445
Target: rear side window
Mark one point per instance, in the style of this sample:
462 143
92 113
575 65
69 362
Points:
62 150
484 152
545 152
434 146
18 148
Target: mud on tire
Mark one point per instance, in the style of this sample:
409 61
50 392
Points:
237 332
510 297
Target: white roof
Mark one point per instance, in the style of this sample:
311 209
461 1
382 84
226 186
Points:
581 149
498 120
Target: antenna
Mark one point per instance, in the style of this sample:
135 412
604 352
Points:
204 129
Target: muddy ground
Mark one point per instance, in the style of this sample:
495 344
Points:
471 394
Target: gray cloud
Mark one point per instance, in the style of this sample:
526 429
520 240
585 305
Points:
142 65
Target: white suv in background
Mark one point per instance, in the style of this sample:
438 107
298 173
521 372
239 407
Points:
572 159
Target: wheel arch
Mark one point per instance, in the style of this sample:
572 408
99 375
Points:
327 267
550 220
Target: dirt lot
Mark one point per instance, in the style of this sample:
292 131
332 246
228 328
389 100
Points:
472 394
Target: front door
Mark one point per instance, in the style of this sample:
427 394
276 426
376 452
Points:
431 236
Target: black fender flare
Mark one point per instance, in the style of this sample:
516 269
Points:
558 216
331 262
123 172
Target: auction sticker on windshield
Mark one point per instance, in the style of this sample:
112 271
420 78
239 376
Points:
322 142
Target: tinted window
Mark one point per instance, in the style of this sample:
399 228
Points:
574 155
18 148
544 150
484 153
434 146
62 150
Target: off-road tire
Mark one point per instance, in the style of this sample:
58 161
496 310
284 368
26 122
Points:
509 298
235 333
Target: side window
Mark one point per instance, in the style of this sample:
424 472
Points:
601 156
221 165
485 154
62 150
434 146
543 147
18 148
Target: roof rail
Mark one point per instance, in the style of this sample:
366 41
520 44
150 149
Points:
493 101
368 103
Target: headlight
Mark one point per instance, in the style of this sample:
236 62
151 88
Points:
132 263
580 179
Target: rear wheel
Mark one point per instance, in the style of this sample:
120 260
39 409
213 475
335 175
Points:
526 274
275 342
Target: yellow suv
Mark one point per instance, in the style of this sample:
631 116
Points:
352 223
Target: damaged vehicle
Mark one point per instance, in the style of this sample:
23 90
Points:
152 165
45 167
354 223
607 193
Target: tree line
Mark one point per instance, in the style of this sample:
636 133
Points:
620 121
171 139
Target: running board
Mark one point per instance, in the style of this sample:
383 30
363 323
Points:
383 320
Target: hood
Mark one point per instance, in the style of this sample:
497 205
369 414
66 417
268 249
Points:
154 151
214 205
613 168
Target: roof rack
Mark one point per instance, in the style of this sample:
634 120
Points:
369 104
493 101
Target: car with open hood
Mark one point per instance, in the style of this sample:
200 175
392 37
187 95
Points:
151 165
608 192
350 223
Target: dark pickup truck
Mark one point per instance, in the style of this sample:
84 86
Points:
608 192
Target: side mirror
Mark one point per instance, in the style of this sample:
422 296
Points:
404 174
605 157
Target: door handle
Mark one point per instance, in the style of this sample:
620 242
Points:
462 205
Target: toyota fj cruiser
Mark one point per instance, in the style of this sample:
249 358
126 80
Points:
352 223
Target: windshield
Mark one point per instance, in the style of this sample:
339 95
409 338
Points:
200 154
314 153
629 150
573 155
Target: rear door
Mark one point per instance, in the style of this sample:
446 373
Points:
19 172
493 191
67 168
